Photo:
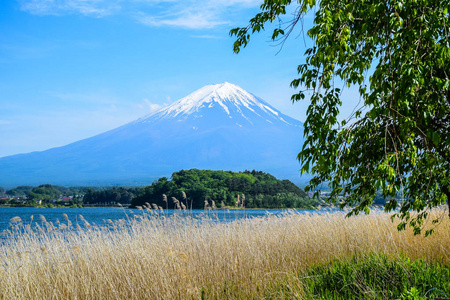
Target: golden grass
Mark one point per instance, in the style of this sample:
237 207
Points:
181 258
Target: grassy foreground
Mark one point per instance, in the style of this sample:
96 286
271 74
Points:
286 257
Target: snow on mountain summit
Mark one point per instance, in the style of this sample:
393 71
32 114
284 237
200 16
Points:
224 94
230 98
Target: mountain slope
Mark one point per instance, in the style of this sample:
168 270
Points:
218 126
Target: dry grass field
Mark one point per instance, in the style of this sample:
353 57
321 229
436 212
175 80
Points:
156 257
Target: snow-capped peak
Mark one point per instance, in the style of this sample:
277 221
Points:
229 96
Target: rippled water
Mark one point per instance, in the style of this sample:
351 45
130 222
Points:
99 216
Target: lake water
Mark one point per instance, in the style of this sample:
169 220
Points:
100 216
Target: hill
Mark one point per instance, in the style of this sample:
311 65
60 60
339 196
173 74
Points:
206 188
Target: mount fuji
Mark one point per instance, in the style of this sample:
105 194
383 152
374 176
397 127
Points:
219 126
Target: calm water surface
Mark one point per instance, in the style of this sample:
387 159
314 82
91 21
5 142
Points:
99 216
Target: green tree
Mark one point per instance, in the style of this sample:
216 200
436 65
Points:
397 54
19 191
260 190
44 192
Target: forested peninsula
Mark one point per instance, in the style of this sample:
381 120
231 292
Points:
198 189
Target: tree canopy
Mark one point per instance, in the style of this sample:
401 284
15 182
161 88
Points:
111 196
397 54
194 188
19 191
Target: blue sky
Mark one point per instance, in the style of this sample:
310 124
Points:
71 69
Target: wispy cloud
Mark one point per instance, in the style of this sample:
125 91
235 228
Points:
4 122
96 8
188 14
189 20
151 107
196 14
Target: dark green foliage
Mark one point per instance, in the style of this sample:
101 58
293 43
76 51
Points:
110 196
46 192
261 190
397 54
84 189
19 191
368 277
376 277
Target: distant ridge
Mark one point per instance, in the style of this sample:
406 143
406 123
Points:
219 126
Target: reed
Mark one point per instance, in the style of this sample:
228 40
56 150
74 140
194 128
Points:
156 257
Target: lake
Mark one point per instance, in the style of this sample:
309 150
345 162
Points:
100 216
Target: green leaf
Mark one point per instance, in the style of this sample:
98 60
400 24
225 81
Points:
397 56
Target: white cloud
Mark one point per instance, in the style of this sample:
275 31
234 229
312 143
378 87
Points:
4 122
200 20
188 14
196 14
96 8
151 106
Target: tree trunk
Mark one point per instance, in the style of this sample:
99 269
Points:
446 191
